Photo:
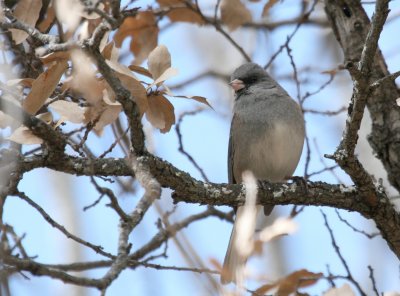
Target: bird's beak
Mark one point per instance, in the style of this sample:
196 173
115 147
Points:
236 84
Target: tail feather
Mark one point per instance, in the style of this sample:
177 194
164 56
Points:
233 262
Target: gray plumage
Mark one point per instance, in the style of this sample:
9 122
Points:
266 138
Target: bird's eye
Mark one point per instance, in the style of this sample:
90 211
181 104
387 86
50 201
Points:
250 80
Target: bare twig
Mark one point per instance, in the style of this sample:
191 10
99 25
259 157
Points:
335 246
52 222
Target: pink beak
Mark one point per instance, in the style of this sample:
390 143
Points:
237 84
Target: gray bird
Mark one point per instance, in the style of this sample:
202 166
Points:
266 138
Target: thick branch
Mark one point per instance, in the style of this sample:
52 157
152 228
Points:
190 190
351 25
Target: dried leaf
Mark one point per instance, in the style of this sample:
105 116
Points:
281 226
137 90
170 72
234 14
48 20
26 11
26 82
344 290
200 99
103 115
160 113
104 42
107 50
44 86
84 81
331 72
68 111
23 135
159 61
69 12
55 57
140 70
264 289
289 284
178 11
268 6
46 117
143 30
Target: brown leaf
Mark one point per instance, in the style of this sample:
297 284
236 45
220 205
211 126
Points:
44 86
268 6
121 69
200 99
140 70
170 72
178 11
68 111
103 114
159 60
298 279
26 82
160 113
46 117
107 50
331 72
289 284
23 135
48 20
83 80
55 57
234 14
137 90
265 288
26 11
143 30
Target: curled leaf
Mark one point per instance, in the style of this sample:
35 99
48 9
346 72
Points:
140 70
200 99
291 283
55 57
170 72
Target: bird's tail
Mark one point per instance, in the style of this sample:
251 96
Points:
233 262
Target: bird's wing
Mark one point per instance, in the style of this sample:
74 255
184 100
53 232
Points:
231 177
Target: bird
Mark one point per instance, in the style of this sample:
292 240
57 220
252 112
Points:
266 138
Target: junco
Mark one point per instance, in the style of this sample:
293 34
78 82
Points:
266 138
